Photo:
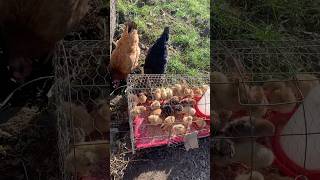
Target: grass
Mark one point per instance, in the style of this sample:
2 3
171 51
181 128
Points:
265 20
189 50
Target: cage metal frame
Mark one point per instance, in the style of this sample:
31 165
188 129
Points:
78 65
149 82
305 60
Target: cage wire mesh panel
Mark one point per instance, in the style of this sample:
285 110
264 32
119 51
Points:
164 108
262 94
82 92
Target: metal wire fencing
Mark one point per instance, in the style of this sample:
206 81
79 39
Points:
83 113
164 108
261 96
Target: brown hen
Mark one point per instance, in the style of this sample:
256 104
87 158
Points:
125 56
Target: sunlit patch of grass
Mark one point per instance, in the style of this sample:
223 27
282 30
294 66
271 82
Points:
186 20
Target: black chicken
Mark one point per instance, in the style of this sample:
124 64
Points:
157 57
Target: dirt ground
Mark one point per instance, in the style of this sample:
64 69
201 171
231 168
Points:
172 163
160 163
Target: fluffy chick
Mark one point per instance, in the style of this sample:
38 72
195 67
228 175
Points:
262 156
125 56
254 175
155 105
188 92
188 102
81 118
226 152
179 129
283 94
201 123
154 120
243 127
174 100
157 95
188 111
156 112
257 96
223 151
157 57
142 98
273 84
137 110
169 93
167 109
225 93
102 117
279 92
133 98
168 123
85 158
187 121
177 90
204 88
197 91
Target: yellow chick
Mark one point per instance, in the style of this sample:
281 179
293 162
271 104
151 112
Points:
86 157
142 98
187 102
283 95
188 92
204 88
154 120
201 123
225 93
254 175
257 96
102 117
197 91
164 94
81 118
157 94
189 111
134 99
155 105
137 110
273 84
179 129
168 123
262 156
169 93
177 90
242 127
187 121
156 112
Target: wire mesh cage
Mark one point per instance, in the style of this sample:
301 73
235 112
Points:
265 96
164 108
81 93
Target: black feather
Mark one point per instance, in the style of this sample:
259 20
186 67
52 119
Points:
157 57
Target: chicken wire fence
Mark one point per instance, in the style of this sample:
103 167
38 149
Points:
81 93
272 64
141 91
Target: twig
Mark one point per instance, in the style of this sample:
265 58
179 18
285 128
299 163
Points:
111 94
18 88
